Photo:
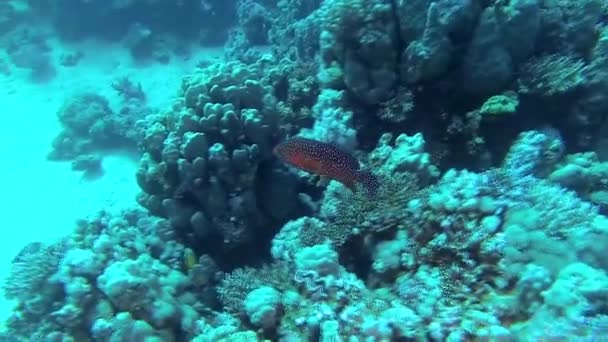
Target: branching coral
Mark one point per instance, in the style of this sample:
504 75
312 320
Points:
399 108
349 215
31 269
236 285
551 75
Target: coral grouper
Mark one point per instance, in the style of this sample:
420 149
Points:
326 160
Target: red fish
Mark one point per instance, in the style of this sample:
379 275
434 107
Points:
326 160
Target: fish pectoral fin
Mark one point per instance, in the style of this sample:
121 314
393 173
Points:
350 185
323 181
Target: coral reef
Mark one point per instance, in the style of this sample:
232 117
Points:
90 125
29 49
90 285
483 121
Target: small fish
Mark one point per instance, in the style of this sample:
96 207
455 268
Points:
189 259
326 160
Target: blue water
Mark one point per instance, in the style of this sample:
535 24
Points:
453 187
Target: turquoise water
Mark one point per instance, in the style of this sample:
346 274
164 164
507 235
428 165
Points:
452 186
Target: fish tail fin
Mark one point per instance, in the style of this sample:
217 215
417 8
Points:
369 181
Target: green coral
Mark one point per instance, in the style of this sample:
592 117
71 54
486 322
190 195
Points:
499 105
